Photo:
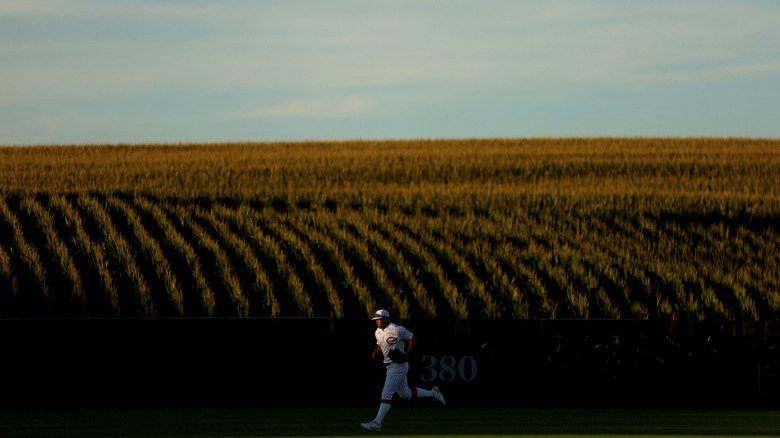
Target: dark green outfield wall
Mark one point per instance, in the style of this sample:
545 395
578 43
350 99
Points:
325 362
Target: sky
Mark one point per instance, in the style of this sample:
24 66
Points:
170 71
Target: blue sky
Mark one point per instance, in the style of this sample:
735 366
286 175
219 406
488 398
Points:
97 71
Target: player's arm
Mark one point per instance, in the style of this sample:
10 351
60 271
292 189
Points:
410 345
377 352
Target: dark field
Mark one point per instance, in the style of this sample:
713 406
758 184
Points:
404 421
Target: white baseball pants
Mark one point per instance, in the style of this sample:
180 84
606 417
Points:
395 381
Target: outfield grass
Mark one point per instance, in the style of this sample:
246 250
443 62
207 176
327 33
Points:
401 421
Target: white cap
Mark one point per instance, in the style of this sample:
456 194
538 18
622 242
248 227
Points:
379 314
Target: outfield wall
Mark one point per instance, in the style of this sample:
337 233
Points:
326 362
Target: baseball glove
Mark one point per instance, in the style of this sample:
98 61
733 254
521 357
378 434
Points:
397 356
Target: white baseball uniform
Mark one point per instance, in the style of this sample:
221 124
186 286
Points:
389 338
393 337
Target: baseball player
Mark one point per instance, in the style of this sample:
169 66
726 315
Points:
390 339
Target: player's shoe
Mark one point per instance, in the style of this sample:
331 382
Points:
372 426
438 396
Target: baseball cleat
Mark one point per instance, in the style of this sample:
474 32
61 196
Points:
372 426
437 395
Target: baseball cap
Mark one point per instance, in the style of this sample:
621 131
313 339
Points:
379 314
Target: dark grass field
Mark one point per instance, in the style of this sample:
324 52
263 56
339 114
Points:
401 421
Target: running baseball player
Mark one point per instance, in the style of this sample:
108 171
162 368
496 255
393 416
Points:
390 339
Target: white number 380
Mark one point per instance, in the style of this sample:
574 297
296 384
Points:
448 369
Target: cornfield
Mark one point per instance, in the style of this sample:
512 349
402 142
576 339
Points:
615 228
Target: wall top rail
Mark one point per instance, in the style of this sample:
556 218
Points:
325 326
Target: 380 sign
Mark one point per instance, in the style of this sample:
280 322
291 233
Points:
448 368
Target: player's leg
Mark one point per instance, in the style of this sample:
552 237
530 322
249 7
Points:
437 395
384 404
396 382
395 377
408 393
404 391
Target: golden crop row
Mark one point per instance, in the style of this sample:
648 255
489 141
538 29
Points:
523 228
126 257
368 170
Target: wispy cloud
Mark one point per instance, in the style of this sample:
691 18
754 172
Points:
324 47
346 58
324 108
